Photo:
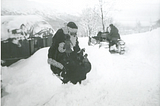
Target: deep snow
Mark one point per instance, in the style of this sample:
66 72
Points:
132 79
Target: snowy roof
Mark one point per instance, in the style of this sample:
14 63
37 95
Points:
15 21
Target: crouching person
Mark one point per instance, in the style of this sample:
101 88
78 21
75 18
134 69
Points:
64 56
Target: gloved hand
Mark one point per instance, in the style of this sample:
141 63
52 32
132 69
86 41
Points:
55 63
64 70
81 51
85 58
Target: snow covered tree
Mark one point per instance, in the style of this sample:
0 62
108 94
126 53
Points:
108 10
97 18
90 21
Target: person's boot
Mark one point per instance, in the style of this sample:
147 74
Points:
65 80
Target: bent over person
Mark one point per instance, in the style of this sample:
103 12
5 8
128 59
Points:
67 60
113 36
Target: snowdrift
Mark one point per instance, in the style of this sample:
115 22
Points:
33 23
131 79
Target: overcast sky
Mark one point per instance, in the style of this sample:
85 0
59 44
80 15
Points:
145 11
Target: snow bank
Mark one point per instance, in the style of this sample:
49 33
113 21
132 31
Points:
15 21
131 79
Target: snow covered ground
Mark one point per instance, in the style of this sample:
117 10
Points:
132 79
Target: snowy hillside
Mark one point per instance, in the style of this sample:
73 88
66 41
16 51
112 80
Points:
132 79
54 12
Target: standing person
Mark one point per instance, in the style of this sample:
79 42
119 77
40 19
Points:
63 66
113 36
99 36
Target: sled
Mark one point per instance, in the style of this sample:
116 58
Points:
98 39
120 48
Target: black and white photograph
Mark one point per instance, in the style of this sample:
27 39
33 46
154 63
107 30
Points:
80 53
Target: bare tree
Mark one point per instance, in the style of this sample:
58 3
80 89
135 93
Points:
90 21
101 8
94 19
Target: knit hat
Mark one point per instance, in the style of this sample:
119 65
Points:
72 25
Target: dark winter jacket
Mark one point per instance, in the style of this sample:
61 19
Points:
75 68
58 38
114 33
